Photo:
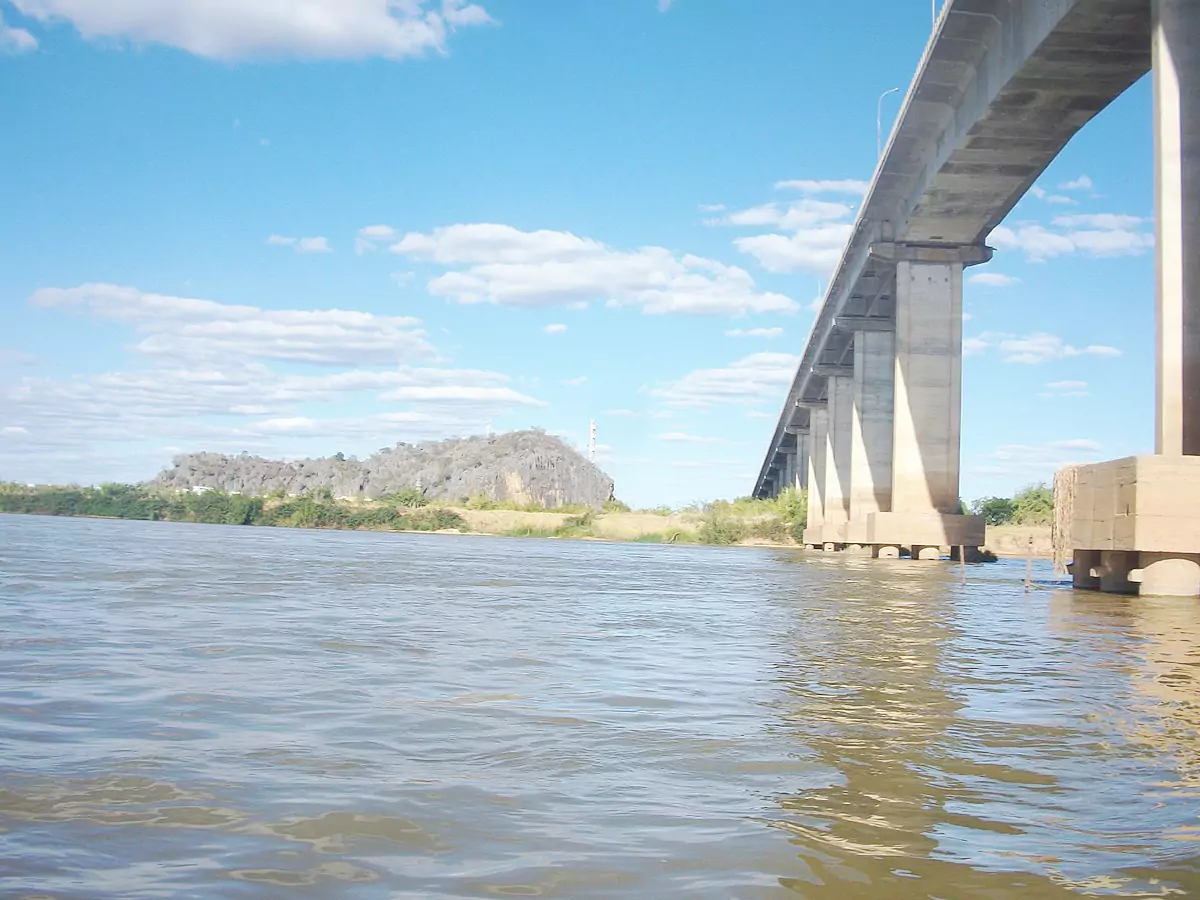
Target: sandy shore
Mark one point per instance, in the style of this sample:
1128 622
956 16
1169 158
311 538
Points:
1003 540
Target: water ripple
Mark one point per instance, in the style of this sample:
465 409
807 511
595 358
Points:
199 711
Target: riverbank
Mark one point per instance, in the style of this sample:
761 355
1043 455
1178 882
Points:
757 523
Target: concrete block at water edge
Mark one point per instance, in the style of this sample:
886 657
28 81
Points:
858 531
925 529
1143 503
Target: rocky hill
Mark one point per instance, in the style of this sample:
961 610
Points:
521 466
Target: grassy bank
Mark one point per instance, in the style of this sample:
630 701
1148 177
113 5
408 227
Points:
776 522
398 513
722 522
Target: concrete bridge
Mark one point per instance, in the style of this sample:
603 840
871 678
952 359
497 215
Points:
871 422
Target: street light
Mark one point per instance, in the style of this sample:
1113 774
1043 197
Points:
879 122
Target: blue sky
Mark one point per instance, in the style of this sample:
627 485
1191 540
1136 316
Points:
332 225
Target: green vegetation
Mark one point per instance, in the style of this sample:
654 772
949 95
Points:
408 497
1032 505
779 519
483 502
317 510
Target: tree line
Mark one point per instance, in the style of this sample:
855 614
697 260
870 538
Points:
1032 505
406 510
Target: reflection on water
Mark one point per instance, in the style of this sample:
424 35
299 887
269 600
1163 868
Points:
196 711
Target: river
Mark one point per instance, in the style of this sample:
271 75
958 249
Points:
206 711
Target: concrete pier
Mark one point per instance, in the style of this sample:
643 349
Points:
836 502
1176 49
872 425
818 431
1136 521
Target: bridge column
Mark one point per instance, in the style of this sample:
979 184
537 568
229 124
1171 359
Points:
837 463
802 444
1176 52
927 400
1136 525
872 425
787 475
818 429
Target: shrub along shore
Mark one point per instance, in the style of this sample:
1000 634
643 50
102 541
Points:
779 521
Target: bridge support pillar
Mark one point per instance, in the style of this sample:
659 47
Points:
1136 521
800 482
1177 186
871 425
818 430
927 401
787 476
836 501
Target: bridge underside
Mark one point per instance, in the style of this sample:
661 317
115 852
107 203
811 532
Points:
871 422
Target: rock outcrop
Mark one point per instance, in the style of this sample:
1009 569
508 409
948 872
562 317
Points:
521 466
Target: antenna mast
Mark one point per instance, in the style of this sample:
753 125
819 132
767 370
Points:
592 441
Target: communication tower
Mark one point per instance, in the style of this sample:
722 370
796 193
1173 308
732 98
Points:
592 441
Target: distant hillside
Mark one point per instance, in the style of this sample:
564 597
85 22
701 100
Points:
521 466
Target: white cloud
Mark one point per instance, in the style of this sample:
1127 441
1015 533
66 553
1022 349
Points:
98 427
182 328
814 232
1061 200
973 346
13 431
314 29
828 186
1025 463
537 269
1065 389
15 40
1105 221
712 207
16 358
294 423
575 382
623 413
1097 235
812 250
758 414
1082 183
368 238
795 216
454 393
754 332
313 245
555 328
664 5
301 245
754 378
461 13
992 279
378 233
1035 348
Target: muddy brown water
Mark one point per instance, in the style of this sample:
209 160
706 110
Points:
200 711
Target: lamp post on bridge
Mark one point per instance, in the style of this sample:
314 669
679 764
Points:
879 122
